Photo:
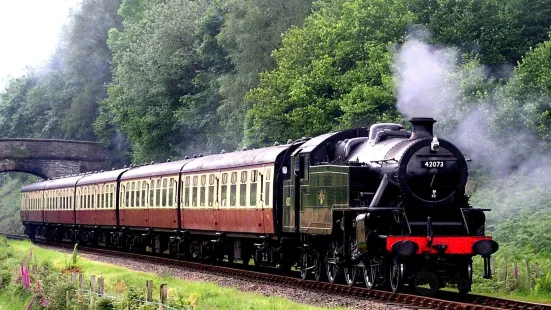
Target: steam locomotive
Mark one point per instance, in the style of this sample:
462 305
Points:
384 206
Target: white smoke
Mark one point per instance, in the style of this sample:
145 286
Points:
424 79
431 82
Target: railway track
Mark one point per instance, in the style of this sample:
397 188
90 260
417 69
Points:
443 300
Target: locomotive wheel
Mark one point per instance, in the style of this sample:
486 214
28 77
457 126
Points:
303 271
465 279
396 275
332 269
318 261
350 274
370 273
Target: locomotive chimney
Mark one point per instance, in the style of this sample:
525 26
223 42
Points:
422 128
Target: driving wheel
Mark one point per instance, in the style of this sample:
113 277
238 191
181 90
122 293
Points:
396 275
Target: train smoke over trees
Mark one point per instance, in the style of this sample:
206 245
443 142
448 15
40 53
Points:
511 155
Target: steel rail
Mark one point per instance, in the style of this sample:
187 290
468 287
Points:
444 300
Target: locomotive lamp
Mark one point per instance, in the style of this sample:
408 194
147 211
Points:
434 145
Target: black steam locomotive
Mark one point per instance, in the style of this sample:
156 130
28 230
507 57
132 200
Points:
396 209
384 206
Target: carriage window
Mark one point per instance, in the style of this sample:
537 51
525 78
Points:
113 196
165 192
211 190
223 195
233 193
233 189
194 197
152 194
127 194
202 196
243 189
106 196
158 194
185 193
188 199
171 192
267 191
110 198
133 194
243 195
137 193
253 186
144 193
98 196
224 190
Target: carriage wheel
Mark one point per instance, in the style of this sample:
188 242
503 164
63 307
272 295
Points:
396 275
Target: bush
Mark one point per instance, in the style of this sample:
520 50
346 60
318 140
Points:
543 285
105 304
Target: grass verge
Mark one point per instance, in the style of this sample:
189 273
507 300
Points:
118 280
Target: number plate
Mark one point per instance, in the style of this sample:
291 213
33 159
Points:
433 164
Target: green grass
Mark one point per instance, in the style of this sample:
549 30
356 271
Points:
14 300
203 295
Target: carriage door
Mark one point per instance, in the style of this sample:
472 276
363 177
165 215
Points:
267 200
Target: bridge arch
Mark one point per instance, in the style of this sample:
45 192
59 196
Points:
48 158
8 165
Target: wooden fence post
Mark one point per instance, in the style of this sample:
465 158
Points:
149 288
538 274
528 273
505 267
164 293
493 266
92 283
80 285
92 289
73 277
100 286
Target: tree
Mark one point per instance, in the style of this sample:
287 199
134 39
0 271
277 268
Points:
497 31
527 106
155 62
87 63
334 72
251 31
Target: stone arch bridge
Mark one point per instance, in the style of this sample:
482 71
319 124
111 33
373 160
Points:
52 158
